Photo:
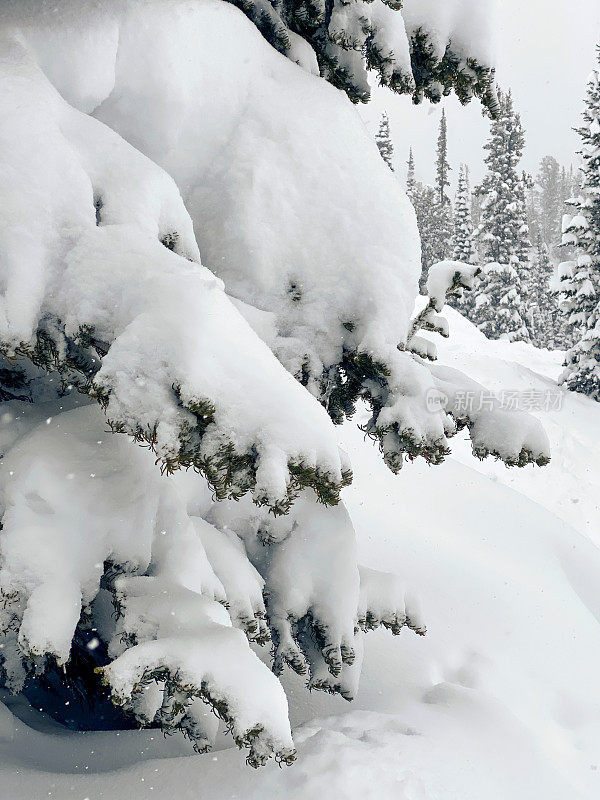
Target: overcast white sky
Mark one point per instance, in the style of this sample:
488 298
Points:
545 51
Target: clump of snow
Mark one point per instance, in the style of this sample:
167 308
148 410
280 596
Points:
242 583
466 26
446 276
271 125
384 601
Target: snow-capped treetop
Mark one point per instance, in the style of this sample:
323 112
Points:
384 141
503 230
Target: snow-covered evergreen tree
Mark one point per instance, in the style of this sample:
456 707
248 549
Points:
410 175
580 277
384 141
503 231
497 306
544 317
152 569
423 198
441 224
549 184
570 190
462 241
442 167
434 210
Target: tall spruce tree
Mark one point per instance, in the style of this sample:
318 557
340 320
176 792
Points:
384 141
442 167
410 174
462 241
580 277
423 198
436 210
503 231
570 190
547 200
542 309
442 210
550 199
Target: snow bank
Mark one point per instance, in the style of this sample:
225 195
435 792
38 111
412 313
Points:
569 484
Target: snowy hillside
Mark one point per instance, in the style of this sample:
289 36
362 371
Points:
501 699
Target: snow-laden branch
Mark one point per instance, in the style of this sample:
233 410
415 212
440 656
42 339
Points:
115 298
515 437
190 581
426 50
317 598
124 529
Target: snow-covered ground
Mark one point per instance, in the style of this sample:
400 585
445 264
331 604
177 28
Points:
502 697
